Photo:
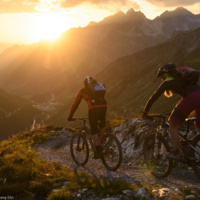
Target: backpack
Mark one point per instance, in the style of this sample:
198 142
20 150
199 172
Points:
97 89
189 75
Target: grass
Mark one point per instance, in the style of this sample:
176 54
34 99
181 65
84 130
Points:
22 174
100 187
25 176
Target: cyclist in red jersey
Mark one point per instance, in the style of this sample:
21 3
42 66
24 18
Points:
190 102
97 108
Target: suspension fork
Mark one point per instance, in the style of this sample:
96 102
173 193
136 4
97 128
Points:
82 133
78 143
156 145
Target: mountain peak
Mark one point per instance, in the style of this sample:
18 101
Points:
120 17
132 14
180 11
113 18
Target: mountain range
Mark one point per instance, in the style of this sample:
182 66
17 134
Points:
124 51
16 114
46 67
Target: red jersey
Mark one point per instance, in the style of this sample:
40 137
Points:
92 102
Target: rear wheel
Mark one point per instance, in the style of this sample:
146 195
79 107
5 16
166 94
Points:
195 155
79 149
112 152
154 151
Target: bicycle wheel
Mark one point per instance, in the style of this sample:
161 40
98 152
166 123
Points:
154 151
79 149
195 155
112 152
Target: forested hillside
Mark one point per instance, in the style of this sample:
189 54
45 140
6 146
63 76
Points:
16 114
124 51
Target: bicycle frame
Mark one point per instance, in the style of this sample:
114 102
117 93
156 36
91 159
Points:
85 129
164 125
184 136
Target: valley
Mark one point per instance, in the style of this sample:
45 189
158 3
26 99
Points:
123 51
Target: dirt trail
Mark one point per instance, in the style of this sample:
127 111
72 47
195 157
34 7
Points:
58 150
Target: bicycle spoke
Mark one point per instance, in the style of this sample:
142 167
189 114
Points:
112 153
155 149
79 149
195 155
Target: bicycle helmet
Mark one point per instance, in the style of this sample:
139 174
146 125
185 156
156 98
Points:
168 68
88 80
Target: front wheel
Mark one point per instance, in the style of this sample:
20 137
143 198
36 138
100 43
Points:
112 152
154 151
79 149
195 155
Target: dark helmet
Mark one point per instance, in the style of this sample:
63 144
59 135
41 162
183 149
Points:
168 68
88 80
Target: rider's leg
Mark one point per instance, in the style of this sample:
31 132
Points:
175 154
93 120
102 132
177 117
102 120
197 122
173 129
95 138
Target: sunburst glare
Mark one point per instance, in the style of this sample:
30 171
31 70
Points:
49 27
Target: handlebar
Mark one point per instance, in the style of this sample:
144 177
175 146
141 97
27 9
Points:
163 115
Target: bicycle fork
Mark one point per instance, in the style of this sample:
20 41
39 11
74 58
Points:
158 147
79 147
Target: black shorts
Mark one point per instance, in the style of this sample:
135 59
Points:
97 119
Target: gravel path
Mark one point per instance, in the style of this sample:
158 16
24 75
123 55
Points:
57 150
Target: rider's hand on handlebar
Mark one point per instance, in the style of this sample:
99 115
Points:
144 115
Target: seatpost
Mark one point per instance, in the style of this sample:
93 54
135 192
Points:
188 125
163 121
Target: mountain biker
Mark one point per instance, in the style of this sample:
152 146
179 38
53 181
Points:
190 102
97 108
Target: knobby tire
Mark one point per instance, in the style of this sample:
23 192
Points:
195 155
79 149
112 152
156 162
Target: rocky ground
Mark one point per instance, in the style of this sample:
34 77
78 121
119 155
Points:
132 169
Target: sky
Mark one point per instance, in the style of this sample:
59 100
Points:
29 21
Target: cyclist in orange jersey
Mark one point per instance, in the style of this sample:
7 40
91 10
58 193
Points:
97 108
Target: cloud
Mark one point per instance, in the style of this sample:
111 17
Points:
72 3
29 6
173 2
12 6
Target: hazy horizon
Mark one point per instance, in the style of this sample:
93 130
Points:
31 21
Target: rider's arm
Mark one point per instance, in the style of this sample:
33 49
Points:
76 103
163 86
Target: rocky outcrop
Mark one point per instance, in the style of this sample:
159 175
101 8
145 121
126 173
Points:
131 134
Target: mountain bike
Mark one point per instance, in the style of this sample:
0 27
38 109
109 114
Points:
111 156
157 145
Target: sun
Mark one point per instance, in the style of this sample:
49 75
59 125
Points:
48 27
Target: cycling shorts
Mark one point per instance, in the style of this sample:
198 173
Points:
97 119
187 104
